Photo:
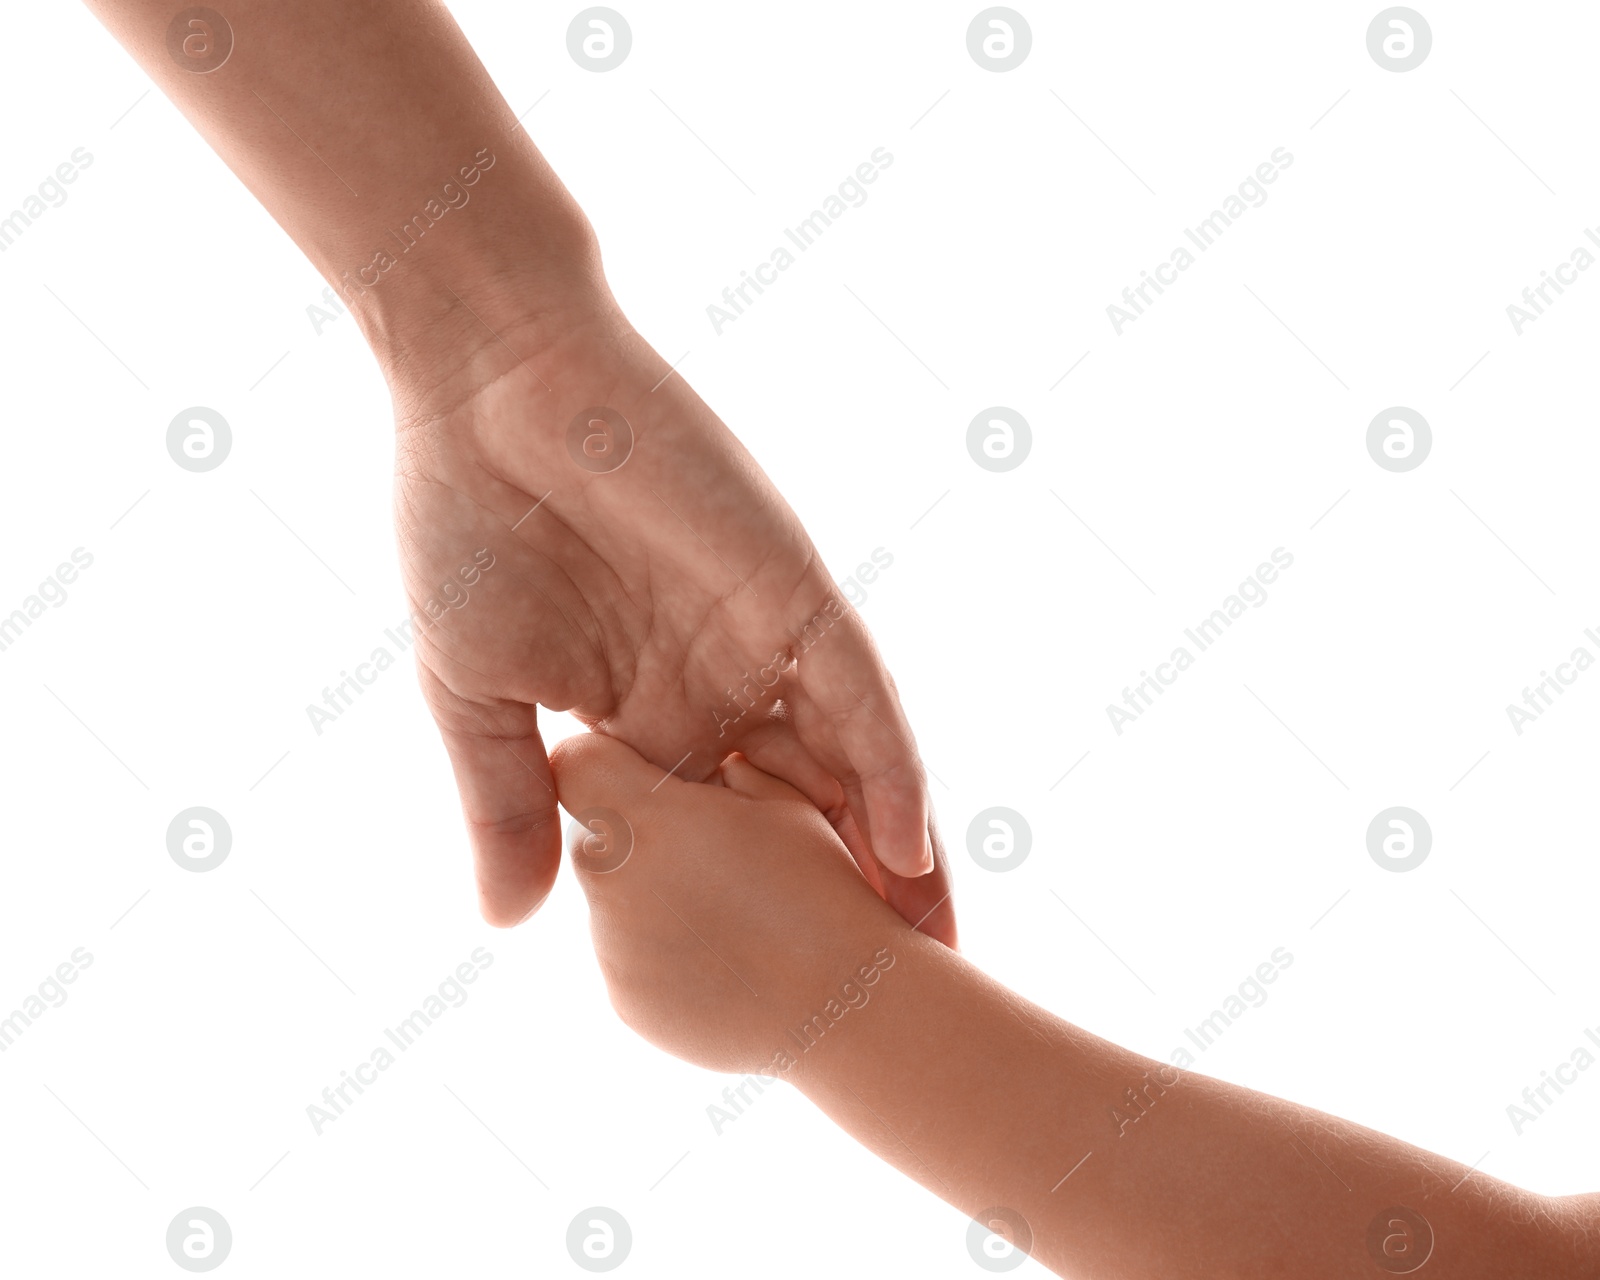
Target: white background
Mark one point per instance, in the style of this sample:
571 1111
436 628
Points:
1223 824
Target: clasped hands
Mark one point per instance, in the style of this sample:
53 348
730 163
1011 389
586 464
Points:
654 584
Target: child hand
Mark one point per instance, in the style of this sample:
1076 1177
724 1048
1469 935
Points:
725 914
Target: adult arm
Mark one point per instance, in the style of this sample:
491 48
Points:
576 528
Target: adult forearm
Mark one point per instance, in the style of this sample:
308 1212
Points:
1121 1166
374 136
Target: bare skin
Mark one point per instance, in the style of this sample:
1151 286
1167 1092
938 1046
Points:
738 935
674 600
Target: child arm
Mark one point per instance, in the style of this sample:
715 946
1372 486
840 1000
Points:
734 932
1102 1162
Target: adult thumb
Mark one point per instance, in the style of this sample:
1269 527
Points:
509 803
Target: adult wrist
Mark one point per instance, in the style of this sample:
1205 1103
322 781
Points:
444 327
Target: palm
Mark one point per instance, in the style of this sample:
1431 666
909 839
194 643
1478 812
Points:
664 601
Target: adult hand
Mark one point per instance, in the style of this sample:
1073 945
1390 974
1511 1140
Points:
645 575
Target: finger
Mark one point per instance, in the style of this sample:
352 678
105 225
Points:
925 902
596 771
774 748
777 750
509 802
849 833
610 789
743 778
845 679
800 747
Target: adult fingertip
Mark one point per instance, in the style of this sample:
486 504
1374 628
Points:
510 894
506 916
912 858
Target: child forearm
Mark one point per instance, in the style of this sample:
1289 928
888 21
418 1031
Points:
1122 1166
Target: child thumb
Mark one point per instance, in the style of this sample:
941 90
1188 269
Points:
606 786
